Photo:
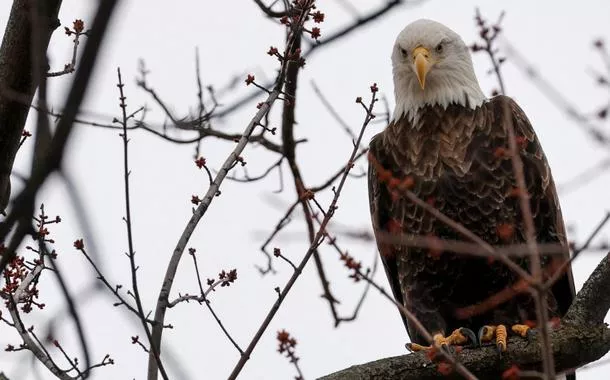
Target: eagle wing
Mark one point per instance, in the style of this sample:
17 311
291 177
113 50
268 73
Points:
381 208
544 199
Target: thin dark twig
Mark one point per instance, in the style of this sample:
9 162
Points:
70 67
489 34
567 264
474 249
362 296
113 289
196 124
554 95
334 177
42 346
586 176
332 240
264 174
333 112
73 366
73 312
199 86
268 11
206 301
278 253
154 349
283 222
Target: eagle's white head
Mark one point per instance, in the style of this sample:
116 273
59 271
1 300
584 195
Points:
432 65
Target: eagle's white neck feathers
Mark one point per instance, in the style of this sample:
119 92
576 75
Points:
451 79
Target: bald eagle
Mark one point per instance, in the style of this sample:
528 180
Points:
449 142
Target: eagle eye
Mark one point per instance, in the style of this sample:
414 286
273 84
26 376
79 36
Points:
439 48
403 52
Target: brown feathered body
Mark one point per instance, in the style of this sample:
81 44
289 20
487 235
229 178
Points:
457 160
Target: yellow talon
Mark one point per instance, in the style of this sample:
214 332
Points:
414 347
521 330
456 337
501 337
439 340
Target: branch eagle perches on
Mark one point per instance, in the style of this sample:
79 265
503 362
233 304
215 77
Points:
581 338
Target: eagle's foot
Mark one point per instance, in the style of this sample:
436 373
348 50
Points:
458 337
488 333
523 331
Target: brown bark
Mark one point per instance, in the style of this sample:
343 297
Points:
17 83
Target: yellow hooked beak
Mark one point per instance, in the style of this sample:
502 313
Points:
422 63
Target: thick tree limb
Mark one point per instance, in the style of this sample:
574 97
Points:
17 77
583 337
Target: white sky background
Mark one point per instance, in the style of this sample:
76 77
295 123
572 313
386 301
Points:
233 38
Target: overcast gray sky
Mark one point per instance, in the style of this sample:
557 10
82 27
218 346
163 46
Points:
233 38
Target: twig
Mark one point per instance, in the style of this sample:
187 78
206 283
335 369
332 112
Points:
201 107
489 34
209 306
154 348
312 248
77 30
586 176
467 248
287 346
333 112
567 264
283 222
202 297
333 241
267 10
80 246
554 95
334 177
264 174
278 253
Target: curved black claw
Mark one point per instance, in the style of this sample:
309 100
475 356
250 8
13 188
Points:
499 350
529 337
470 335
482 332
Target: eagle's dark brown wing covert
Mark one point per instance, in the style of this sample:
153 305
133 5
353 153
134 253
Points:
380 205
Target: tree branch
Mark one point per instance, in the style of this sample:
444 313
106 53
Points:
17 76
581 338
